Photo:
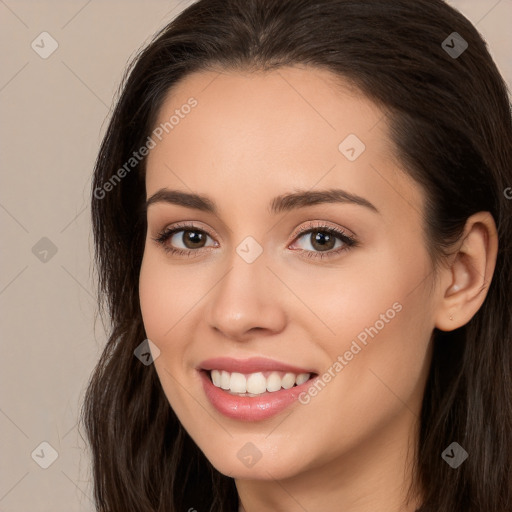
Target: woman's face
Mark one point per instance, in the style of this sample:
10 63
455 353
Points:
351 308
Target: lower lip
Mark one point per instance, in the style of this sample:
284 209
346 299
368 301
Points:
246 408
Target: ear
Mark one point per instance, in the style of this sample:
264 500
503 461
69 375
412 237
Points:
466 280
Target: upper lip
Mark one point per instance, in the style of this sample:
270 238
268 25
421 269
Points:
251 365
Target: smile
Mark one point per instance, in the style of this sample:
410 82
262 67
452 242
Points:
257 383
252 389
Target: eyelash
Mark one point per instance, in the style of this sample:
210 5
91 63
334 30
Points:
348 240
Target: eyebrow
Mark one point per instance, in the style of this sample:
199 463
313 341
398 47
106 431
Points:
282 203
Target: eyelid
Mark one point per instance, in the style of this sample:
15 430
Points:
184 226
320 224
169 231
348 240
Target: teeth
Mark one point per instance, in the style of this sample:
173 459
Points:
303 377
224 380
273 382
216 378
288 381
238 383
256 383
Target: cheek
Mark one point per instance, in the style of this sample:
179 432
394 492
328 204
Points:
165 300
152 299
162 297
166 290
380 318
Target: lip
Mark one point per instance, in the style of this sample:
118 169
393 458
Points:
251 365
246 408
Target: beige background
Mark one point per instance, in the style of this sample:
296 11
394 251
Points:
53 114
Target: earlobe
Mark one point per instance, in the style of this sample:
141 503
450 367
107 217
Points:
470 273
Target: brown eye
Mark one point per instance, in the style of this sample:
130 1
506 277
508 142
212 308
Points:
183 239
322 241
193 239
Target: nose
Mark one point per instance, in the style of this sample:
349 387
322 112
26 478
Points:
247 301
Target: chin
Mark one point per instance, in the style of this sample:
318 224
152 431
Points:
243 460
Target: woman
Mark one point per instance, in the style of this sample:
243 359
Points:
302 233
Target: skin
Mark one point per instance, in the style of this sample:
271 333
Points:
251 137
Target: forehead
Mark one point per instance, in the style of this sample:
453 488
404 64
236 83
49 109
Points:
263 132
305 102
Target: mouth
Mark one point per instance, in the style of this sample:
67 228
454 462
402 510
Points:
253 389
257 383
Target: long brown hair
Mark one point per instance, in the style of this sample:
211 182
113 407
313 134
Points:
450 120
